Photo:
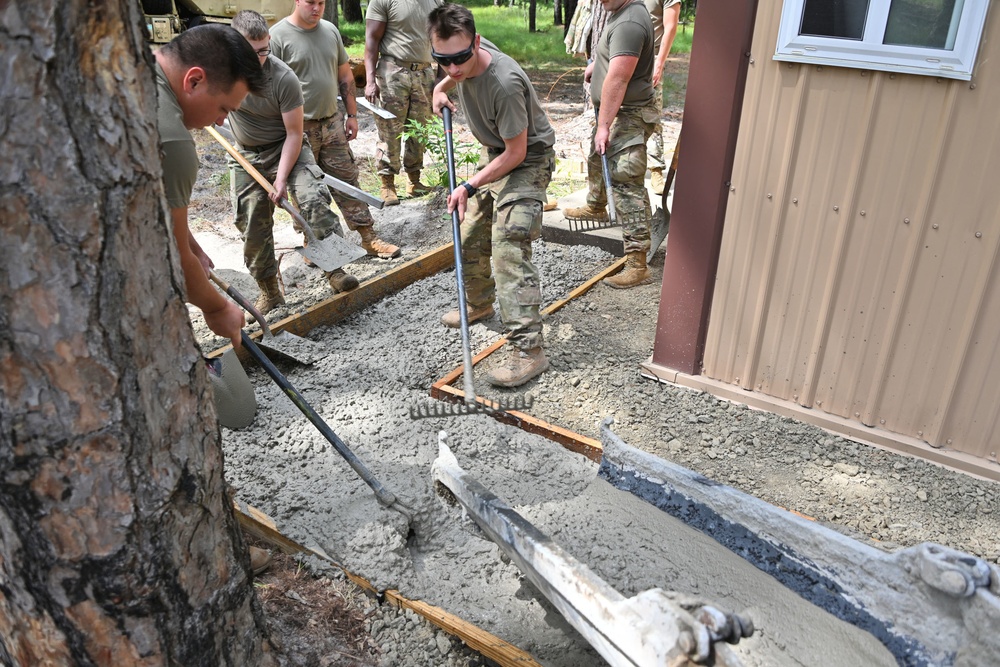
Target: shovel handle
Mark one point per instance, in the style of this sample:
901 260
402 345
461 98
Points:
385 497
263 182
240 299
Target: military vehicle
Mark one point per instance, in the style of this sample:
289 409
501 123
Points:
166 18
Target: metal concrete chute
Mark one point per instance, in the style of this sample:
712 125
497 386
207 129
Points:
655 627
928 604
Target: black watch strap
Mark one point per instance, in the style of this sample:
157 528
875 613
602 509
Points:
472 189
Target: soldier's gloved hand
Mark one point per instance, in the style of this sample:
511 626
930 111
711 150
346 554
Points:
372 93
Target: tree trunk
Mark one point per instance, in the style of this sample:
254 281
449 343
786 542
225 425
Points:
330 13
352 11
118 544
531 15
557 7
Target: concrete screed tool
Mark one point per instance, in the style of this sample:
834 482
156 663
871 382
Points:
470 406
328 254
928 604
284 343
652 629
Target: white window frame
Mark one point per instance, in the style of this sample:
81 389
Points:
870 53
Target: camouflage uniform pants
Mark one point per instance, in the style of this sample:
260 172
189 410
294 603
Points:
627 162
255 212
654 146
406 93
334 156
502 220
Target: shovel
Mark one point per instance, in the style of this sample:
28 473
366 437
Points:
471 406
285 343
384 497
329 254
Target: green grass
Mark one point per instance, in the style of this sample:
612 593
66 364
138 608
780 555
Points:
507 27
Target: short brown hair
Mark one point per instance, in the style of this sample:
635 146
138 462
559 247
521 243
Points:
450 19
224 54
250 24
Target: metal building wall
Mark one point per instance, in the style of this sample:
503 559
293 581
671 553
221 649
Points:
859 270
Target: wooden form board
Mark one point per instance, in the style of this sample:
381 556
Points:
345 304
261 526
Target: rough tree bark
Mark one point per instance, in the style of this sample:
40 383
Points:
532 10
118 544
352 11
329 13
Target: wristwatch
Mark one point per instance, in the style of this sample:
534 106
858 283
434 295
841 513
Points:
470 188
352 115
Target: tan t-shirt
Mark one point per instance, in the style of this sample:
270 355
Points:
501 102
180 159
258 121
629 32
315 56
655 8
405 35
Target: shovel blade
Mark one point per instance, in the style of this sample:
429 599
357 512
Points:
296 348
658 229
235 402
331 253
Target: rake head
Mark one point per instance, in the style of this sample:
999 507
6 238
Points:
590 224
479 407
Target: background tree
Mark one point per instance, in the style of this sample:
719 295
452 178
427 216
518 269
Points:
330 12
118 544
352 11
532 9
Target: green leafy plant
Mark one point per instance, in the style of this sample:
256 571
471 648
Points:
430 135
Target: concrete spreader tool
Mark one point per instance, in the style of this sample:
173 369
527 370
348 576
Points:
470 406
653 628
330 253
284 343
928 604
385 497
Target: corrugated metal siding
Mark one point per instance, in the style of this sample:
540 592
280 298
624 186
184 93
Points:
851 279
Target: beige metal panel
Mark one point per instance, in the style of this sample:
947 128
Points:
272 10
851 279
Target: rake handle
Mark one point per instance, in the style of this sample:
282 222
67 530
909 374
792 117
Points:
385 497
470 390
264 183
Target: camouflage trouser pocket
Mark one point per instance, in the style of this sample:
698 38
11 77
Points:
629 165
520 220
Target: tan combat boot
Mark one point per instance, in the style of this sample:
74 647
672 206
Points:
635 273
270 295
260 560
656 181
375 246
587 212
452 318
388 193
341 281
414 188
521 366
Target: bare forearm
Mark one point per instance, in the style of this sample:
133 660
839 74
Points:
612 95
349 93
289 155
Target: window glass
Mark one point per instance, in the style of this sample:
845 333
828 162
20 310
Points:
928 23
834 18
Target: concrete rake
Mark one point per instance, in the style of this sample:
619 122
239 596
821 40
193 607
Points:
470 406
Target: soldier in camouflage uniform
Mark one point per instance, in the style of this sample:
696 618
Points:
399 76
502 203
315 51
268 130
665 15
622 90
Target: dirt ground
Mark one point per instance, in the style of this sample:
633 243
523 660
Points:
326 620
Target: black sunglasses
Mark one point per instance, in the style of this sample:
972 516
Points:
264 53
444 60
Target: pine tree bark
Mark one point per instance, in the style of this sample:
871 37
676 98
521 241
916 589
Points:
118 544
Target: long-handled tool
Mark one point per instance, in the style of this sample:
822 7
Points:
384 496
612 212
329 254
284 343
471 405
